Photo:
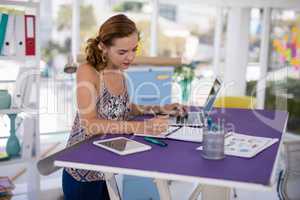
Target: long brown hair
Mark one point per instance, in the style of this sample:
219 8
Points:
117 26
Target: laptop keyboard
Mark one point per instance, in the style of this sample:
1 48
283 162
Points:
193 118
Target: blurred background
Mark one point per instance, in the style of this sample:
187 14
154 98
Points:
183 30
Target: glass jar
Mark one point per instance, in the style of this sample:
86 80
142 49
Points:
213 144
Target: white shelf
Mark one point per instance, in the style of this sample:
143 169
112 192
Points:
20 3
32 123
10 111
17 58
7 81
13 161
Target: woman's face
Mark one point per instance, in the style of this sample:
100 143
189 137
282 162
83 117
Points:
122 53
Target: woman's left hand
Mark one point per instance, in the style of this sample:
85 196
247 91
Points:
174 109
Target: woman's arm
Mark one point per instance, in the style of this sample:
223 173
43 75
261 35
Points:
142 110
171 109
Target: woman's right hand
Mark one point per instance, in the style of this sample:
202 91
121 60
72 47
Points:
155 126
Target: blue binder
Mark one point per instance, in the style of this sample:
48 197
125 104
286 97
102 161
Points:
3 24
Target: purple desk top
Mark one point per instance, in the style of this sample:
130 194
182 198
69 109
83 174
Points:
181 158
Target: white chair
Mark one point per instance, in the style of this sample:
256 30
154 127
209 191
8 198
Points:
25 88
289 189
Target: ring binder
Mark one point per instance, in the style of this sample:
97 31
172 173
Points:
29 35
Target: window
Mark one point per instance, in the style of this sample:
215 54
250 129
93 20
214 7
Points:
285 64
56 87
255 35
168 11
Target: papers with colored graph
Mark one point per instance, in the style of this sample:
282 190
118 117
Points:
246 146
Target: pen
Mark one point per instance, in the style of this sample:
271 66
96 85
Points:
155 141
209 123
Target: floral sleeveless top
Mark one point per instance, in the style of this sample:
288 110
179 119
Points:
109 106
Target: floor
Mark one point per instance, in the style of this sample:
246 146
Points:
179 191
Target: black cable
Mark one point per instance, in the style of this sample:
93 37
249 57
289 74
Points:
279 182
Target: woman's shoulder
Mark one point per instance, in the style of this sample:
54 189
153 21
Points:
87 71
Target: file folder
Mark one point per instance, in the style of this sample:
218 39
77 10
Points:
29 35
20 35
0 30
9 43
3 24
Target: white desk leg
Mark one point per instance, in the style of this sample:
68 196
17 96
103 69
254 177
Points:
112 186
196 193
213 192
33 185
163 189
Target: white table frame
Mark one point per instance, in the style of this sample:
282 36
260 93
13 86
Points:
210 189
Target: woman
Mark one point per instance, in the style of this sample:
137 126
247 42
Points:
103 102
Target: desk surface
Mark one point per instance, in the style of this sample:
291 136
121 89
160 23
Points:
180 160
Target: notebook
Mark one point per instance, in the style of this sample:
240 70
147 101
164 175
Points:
185 133
171 129
246 146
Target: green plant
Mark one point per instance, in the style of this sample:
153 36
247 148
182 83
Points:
184 75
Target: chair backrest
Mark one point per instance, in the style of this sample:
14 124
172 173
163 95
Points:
245 102
24 89
289 184
292 156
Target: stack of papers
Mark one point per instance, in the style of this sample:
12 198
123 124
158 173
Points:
6 187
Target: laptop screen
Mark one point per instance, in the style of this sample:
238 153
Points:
212 96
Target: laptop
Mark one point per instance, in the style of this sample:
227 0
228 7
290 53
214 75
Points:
197 119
